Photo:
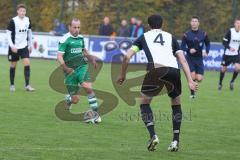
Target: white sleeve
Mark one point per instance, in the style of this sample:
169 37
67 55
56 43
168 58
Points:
9 38
29 37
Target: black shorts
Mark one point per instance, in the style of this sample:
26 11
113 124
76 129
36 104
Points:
227 60
157 78
22 53
195 64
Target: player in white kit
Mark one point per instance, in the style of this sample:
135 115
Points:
231 42
163 53
19 36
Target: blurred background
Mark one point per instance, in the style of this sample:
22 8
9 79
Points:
216 16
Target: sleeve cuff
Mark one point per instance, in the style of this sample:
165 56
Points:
135 48
225 39
62 52
178 51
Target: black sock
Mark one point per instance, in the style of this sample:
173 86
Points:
221 77
235 74
12 75
27 74
147 117
192 92
176 121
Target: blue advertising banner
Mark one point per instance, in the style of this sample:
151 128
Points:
213 61
105 48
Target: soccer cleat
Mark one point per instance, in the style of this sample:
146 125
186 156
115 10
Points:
152 143
91 117
68 101
231 86
29 88
173 147
192 96
12 88
219 87
98 120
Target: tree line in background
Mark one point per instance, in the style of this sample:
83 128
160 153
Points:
216 16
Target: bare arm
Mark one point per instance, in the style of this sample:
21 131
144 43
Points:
60 58
88 55
66 69
183 62
125 63
137 46
91 58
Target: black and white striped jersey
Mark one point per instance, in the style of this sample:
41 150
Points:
231 40
18 32
159 46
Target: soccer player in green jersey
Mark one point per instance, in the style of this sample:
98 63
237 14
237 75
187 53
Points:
73 57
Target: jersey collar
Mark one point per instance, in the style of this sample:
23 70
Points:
20 18
236 30
72 35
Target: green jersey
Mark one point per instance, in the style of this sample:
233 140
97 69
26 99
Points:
72 49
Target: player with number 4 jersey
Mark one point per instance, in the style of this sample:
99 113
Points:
163 54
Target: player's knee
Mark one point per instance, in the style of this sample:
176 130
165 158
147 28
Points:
193 76
223 69
87 87
237 68
145 99
176 100
89 91
13 65
199 79
75 99
26 61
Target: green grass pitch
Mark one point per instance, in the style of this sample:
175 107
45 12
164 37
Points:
30 130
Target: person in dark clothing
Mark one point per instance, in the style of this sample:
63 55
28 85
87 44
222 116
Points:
163 53
123 30
132 27
59 28
106 28
139 29
193 42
